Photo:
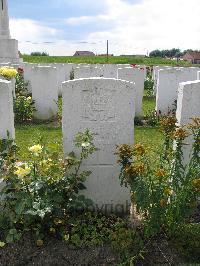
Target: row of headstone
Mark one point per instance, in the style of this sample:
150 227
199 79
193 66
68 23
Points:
167 83
107 108
45 90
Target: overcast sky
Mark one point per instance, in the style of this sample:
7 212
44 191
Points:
60 27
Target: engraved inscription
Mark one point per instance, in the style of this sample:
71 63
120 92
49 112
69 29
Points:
98 105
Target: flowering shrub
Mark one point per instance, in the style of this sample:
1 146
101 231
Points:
8 73
149 86
23 103
165 191
23 109
21 86
40 193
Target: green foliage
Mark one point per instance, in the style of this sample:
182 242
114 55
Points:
149 86
128 243
186 240
163 190
39 54
166 53
45 188
21 86
92 229
8 150
23 103
23 109
102 60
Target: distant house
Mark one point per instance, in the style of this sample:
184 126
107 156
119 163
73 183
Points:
192 57
84 53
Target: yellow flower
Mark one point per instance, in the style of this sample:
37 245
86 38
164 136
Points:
36 149
168 191
21 172
168 125
195 123
160 173
8 73
58 221
139 149
2 244
40 242
196 183
66 237
180 134
124 150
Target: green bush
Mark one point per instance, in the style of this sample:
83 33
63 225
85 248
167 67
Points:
43 191
186 240
149 86
23 109
163 190
21 86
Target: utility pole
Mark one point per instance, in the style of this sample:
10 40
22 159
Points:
107 50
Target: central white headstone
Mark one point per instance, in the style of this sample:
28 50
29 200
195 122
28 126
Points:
106 107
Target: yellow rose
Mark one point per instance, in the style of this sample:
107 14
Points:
8 73
36 149
22 172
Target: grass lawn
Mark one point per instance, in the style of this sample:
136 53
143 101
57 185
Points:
102 60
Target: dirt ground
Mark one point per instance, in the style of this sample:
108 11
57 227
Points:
54 253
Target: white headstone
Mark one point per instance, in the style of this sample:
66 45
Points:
137 76
198 75
88 72
45 92
106 107
6 110
110 71
8 46
188 106
167 86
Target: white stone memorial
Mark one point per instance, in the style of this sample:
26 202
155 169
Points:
188 106
167 86
45 92
106 107
137 76
88 72
8 46
198 75
6 110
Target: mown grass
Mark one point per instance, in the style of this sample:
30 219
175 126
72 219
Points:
102 60
149 104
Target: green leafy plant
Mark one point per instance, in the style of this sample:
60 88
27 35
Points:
186 240
149 86
44 190
165 190
23 109
23 103
21 86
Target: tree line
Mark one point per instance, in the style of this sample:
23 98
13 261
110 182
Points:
170 53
